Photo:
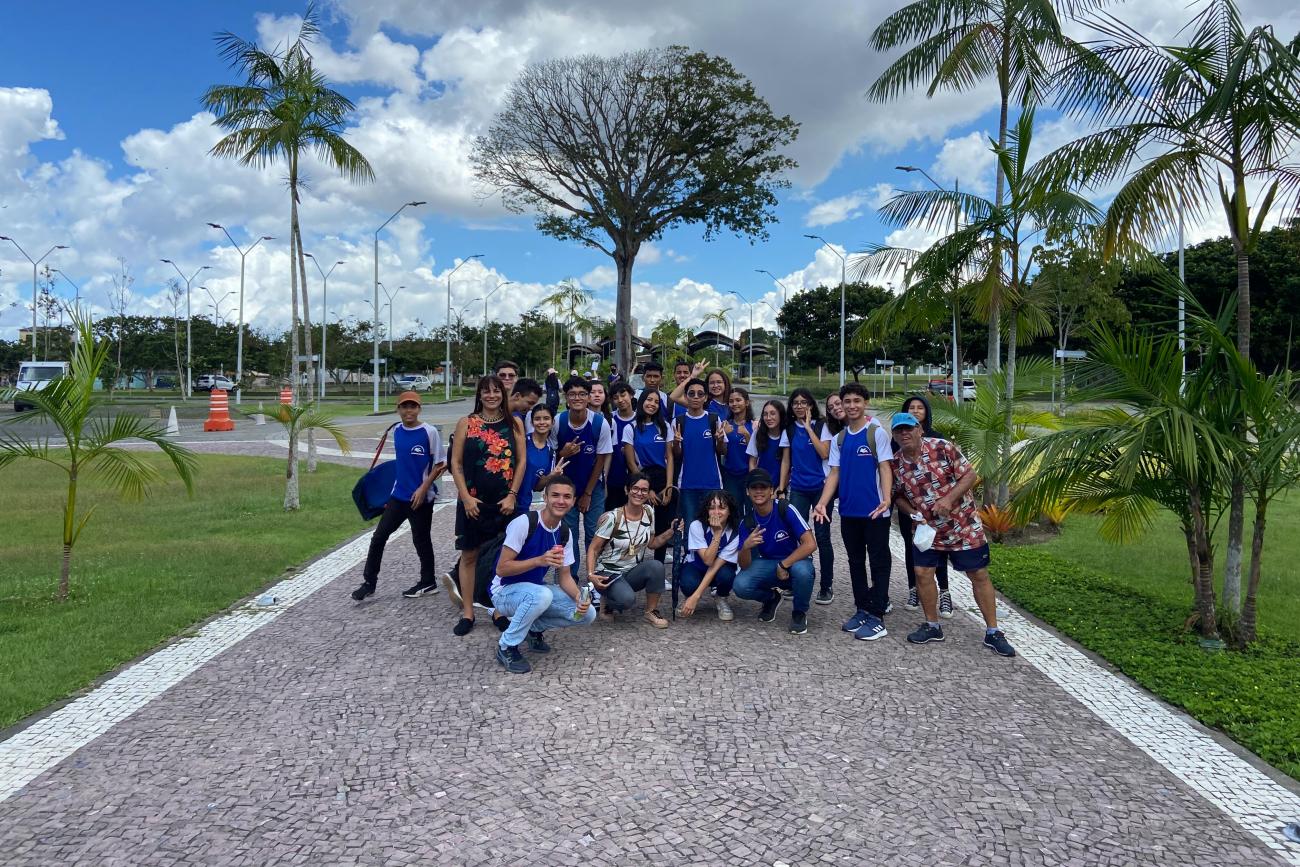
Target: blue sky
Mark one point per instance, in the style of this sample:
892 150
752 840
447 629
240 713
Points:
102 147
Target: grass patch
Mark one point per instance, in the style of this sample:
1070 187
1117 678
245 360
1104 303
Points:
1250 696
143 572
1157 565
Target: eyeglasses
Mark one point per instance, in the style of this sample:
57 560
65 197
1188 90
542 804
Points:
645 492
695 393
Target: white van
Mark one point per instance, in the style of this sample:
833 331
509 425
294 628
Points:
34 376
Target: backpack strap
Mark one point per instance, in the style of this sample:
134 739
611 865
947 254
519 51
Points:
839 438
380 450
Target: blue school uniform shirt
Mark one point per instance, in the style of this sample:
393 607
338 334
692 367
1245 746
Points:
782 530
807 469
649 445
583 463
770 457
699 459
858 459
699 537
721 410
417 449
736 461
616 475
543 539
540 460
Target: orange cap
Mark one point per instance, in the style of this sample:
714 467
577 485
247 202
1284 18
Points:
409 396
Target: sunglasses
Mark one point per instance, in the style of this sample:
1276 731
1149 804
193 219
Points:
695 393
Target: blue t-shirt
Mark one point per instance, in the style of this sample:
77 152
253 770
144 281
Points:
770 457
782 530
593 436
542 540
418 449
616 475
736 462
540 460
649 445
718 408
699 458
858 458
807 469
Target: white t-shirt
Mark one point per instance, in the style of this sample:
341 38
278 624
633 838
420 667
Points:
698 538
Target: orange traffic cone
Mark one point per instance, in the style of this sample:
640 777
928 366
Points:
218 412
286 395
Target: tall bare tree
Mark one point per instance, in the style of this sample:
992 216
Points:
613 151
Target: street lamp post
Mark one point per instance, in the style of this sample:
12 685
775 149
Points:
34 262
189 355
376 303
780 335
324 306
216 303
750 305
391 296
446 368
843 268
956 224
239 333
77 303
485 322
783 361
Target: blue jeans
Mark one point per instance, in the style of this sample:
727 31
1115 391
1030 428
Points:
589 521
693 575
689 502
735 485
803 501
759 581
535 608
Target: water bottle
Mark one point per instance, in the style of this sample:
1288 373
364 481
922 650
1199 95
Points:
584 597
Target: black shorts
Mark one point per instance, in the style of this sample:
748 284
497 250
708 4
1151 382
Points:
969 560
471 533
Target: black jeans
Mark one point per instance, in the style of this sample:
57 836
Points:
867 539
906 527
664 515
395 512
803 501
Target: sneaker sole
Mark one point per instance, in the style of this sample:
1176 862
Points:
881 634
423 591
926 640
453 592
821 601
726 616
1000 653
775 608
798 631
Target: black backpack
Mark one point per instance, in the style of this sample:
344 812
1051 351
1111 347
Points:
782 508
485 568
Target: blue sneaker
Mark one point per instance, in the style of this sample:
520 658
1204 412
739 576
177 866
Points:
859 617
925 633
997 642
871 629
512 660
537 643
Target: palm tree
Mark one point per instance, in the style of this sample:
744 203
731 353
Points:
673 340
296 421
722 319
1221 111
88 444
570 300
959 44
283 109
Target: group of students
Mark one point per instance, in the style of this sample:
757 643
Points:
609 480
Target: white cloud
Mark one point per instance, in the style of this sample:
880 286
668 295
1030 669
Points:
600 277
969 160
849 206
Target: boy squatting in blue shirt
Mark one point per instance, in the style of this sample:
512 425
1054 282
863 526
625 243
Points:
421 458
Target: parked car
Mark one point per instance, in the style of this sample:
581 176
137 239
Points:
414 382
944 387
210 381
34 376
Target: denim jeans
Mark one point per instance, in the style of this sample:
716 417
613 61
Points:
759 581
589 521
693 575
689 504
735 485
535 608
803 501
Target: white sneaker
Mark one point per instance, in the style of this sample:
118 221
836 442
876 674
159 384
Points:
453 591
724 610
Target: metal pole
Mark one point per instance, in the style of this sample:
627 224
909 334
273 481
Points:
446 368
843 270
783 365
956 362
1182 304
485 322
375 322
34 264
239 333
189 349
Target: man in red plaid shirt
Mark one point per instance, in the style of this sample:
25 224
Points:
932 482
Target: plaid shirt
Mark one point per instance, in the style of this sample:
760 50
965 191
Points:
938 467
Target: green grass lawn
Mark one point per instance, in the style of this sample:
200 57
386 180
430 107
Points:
143 572
1157 565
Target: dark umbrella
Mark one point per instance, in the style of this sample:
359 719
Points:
678 554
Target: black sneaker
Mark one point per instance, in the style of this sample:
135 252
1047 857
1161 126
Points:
421 589
537 643
799 623
463 626
768 614
997 642
512 660
925 633
913 600
825 597
367 588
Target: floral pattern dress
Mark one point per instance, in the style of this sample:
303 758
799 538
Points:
489 461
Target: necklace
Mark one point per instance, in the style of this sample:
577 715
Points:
491 420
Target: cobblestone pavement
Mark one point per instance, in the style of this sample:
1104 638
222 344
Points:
345 733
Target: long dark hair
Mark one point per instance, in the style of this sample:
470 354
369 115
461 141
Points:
726 383
733 509
814 410
749 408
763 441
604 406
493 380
831 421
644 418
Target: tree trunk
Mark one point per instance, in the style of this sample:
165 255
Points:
1209 624
1004 480
1000 183
1247 627
65 571
1243 301
1232 556
307 349
291 473
624 258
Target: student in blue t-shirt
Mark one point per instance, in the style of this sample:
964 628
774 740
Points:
518 589
739 430
582 436
712 546
775 554
647 448
421 458
863 477
621 399
717 388
541 457
699 443
810 446
769 447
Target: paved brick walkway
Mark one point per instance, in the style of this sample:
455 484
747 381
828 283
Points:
368 734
